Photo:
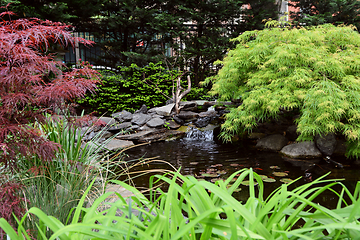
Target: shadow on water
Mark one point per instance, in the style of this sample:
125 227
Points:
199 152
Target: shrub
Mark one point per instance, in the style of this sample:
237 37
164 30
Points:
32 82
311 70
134 86
10 203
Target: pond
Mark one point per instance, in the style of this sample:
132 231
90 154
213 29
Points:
200 154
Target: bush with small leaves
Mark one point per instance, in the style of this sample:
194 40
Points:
314 71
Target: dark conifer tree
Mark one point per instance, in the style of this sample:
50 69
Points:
328 11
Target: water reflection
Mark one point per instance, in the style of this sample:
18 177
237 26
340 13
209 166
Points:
198 152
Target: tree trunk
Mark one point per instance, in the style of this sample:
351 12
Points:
179 95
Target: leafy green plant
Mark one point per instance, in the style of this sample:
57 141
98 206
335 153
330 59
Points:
192 209
134 86
312 70
56 186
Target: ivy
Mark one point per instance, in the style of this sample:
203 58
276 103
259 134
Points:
314 71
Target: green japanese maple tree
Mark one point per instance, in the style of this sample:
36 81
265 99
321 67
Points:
314 71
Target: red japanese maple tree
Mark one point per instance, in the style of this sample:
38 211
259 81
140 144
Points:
32 82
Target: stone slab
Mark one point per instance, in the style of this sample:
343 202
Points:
116 144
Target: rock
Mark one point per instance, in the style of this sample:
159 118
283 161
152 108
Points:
164 110
178 120
211 114
120 126
188 106
116 144
162 135
112 198
140 119
273 142
340 148
220 108
122 116
133 128
89 135
184 129
156 122
202 122
154 115
291 133
135 136
145 128
109 121
256 135
172 124
301 150
187 115
106 134
326 144
209 127
143 109
169 101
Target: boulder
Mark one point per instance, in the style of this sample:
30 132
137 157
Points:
154 115
301 150
145 128
210 113
164 110
156 122
119 127
188 106
178 120
116 144
134 136
122 116
108 120
187 115
162 135
89 135
106 134
326 144
172 124
202 122
143 109
273 142
140 119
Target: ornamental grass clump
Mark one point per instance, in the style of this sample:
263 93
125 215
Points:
56 186
193 209
313 72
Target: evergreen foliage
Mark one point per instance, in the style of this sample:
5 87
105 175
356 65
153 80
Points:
134 86
138 31
315 71
328 11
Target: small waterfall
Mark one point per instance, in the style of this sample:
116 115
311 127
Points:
195 134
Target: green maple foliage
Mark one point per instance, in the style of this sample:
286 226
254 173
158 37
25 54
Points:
314 71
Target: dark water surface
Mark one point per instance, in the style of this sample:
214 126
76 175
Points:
198 153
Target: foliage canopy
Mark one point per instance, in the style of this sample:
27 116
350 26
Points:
32 82
134 86
141 31
315 71
326 11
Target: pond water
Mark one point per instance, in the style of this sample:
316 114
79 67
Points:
200 154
